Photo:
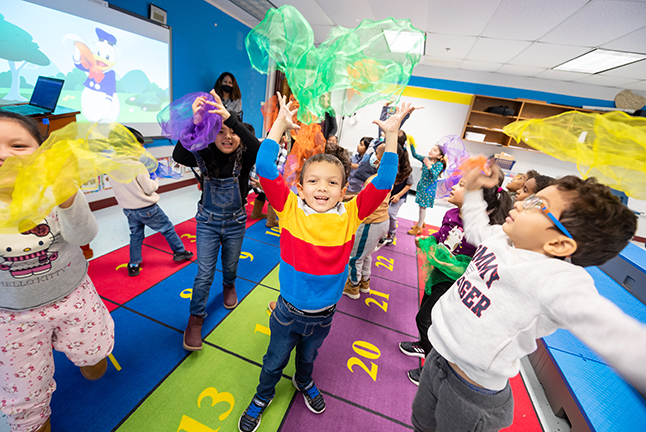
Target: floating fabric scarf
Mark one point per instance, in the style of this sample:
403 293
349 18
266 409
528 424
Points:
455 154
164 171
610 147
177 123
351 69
441 265
33 185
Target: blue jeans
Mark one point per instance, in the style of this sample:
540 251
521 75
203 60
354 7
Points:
291 328
213 230
155 218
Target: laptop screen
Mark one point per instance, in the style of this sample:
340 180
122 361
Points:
46 92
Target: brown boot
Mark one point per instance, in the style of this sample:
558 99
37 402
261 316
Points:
351 290
229 295
257 210
415 231
272 221
271 306
95 372
88 253
193 333
364 286
46 427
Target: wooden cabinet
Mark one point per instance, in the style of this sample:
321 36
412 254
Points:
479 121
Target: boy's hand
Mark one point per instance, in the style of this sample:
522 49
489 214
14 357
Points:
392 123
286 113
476 179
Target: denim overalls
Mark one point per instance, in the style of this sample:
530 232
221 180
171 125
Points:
221 219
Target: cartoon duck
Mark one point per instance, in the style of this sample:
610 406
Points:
99 100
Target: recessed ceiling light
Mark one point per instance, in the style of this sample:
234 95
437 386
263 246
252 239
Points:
405 41
599 61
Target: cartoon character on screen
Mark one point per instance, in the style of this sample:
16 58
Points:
99 100
28 253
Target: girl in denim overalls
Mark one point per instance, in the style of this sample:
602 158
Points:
221 216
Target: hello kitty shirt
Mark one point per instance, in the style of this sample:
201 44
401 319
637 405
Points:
45 264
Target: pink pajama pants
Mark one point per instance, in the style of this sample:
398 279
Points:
78 325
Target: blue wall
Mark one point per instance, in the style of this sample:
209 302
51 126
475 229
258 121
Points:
201 51
506 92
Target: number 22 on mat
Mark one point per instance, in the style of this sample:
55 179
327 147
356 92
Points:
366 350
389 264
190 425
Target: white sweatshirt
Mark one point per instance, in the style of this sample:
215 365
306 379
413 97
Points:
139 193
491 317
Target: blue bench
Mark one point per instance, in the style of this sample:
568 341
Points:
578 384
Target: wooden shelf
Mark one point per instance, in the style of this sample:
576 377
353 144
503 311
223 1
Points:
481 121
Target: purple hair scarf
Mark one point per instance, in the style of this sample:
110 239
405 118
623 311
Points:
177 122
455 153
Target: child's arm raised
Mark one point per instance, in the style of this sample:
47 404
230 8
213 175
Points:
272 183
371 197
474 209
78 225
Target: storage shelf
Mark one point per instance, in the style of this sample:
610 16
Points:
494 114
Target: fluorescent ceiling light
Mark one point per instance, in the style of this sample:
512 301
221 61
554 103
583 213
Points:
599 60
405 42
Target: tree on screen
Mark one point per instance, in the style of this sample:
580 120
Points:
17 45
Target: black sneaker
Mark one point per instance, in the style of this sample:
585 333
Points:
413 375
133 270
250 419
313 397
385 241
412 349
182 256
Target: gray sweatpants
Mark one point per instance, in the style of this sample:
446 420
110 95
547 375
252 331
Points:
365 242
445 402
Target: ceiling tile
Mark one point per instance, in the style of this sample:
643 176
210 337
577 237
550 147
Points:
633 42
347 13
547 55
605 80
441 62
561 75
321 32
460 17
510 21
437 44
310 9
480 66
638 86
599 22
635 70
415 10
519 70
496 50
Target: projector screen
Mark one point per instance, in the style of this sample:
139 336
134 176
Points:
116 66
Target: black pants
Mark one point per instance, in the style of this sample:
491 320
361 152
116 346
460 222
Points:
423 317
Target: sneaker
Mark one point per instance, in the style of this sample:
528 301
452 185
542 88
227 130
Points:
412 349
182 256
414 374
271 306
250 419
133 270
313 397
386 241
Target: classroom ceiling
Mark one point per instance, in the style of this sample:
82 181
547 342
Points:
512 37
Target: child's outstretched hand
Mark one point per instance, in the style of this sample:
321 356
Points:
286 113
476 179
203 103
391 124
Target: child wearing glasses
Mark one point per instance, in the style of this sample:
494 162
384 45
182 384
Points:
520 287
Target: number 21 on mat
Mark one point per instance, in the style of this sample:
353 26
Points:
190 425
389 262
368 351
383 306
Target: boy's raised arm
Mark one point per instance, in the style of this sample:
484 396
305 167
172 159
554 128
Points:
474 209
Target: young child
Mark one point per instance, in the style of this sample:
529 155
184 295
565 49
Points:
361 150
403 182
139 202
533 185
317 225
432 167
451 234
519 287
221 217
46 298
516 184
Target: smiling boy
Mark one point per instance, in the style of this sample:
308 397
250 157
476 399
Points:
317 234
518 288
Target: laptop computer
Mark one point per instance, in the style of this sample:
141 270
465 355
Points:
43 99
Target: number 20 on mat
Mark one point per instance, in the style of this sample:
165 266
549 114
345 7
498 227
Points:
368 351
190 425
